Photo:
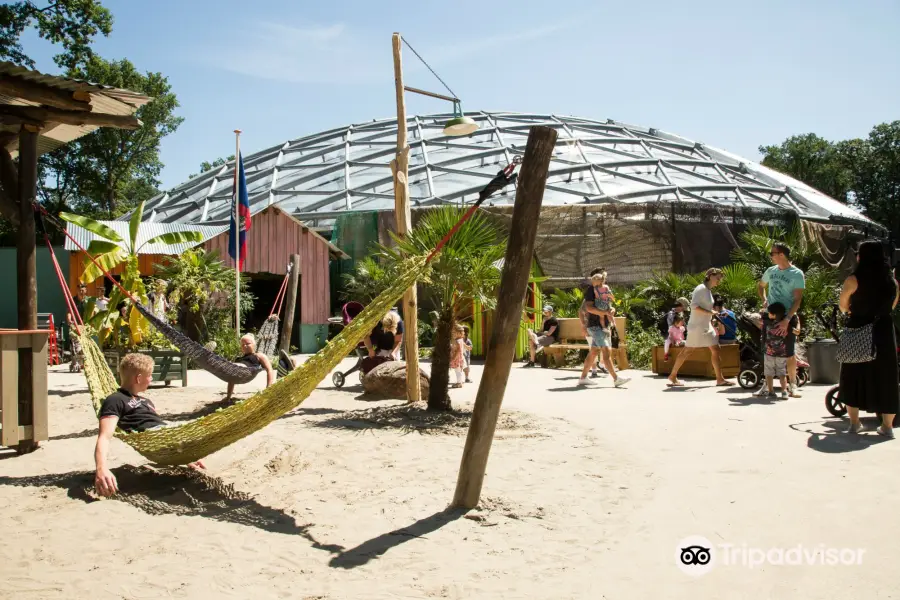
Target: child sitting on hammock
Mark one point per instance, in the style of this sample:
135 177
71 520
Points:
129 411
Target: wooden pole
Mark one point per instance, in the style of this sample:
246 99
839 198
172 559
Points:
400 167
287 327
510 299
26 269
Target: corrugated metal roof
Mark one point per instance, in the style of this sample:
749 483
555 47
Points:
104 99
146 232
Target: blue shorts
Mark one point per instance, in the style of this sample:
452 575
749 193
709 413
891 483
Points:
600 338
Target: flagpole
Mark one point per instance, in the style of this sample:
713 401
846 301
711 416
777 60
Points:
237 236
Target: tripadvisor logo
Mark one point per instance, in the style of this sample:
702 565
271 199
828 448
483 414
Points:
695 555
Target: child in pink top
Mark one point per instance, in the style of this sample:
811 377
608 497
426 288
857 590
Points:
458 354
676 334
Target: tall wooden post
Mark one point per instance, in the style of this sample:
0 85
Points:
510 299
287 327
400 168
26 268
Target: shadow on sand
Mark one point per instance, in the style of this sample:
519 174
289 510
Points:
835 441
177 491
370 549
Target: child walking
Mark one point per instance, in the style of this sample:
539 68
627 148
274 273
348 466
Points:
458 355
676 334
776 352
468 344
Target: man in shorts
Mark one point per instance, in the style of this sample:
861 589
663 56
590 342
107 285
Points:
784 283
600 314
549 334
127 410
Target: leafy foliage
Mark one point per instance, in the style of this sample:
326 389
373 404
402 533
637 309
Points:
368 279
201 297
110 252
566 303
208 166
72 24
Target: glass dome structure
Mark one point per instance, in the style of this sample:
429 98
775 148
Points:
318 177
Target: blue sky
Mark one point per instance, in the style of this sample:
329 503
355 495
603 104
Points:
732 75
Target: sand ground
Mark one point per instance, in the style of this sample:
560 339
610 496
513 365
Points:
587 495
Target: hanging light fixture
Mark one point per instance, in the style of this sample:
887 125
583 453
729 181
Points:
460 124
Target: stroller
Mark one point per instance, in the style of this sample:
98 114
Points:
752 354
364 362
833 402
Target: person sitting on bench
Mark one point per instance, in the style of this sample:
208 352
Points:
549 334
127 410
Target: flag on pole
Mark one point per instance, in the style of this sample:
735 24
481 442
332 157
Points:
242 204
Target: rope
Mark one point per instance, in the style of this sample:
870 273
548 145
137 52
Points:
67 293
279 299
429 68
502 179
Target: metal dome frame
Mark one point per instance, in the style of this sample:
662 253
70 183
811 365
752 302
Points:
318 177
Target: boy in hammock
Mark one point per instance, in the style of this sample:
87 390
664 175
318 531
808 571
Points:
129 411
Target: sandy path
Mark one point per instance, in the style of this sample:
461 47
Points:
326 504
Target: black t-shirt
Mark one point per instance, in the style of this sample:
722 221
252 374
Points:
135 412
592 319
381 339
550 323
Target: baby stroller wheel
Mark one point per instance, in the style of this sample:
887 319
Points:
802 377
338 379
748 379
833 402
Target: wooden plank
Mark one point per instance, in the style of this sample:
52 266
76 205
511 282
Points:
9 391
43 94
40 410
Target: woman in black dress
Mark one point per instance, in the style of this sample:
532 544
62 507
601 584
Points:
869 295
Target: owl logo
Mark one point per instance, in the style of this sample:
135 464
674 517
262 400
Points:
695 555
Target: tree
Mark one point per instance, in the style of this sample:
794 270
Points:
466 270
113 250
115 169
877 183
72 24
814 161
208 166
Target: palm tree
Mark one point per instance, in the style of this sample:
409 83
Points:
756 244
367 280
112 251
466 270
194 279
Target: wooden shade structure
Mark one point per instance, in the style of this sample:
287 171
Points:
39 113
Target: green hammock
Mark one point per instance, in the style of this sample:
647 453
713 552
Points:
182 444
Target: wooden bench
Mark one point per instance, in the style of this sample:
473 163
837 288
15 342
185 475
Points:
572 338
168 365
699 363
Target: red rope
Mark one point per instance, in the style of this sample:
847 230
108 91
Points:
67 293
279 297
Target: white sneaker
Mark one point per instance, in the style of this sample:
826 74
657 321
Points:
586 383
620 381
763 393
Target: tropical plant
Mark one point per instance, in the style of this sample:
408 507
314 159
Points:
566 303
466 270
367 280
661 289
112 251
628 300
199 286
756 244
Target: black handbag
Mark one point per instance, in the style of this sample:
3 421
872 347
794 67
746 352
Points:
857 345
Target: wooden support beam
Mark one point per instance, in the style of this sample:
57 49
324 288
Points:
287 328
400 169
43 94
26 269
35 115
510 301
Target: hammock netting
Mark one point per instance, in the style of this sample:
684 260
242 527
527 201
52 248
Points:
183 444
203 357
267 338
